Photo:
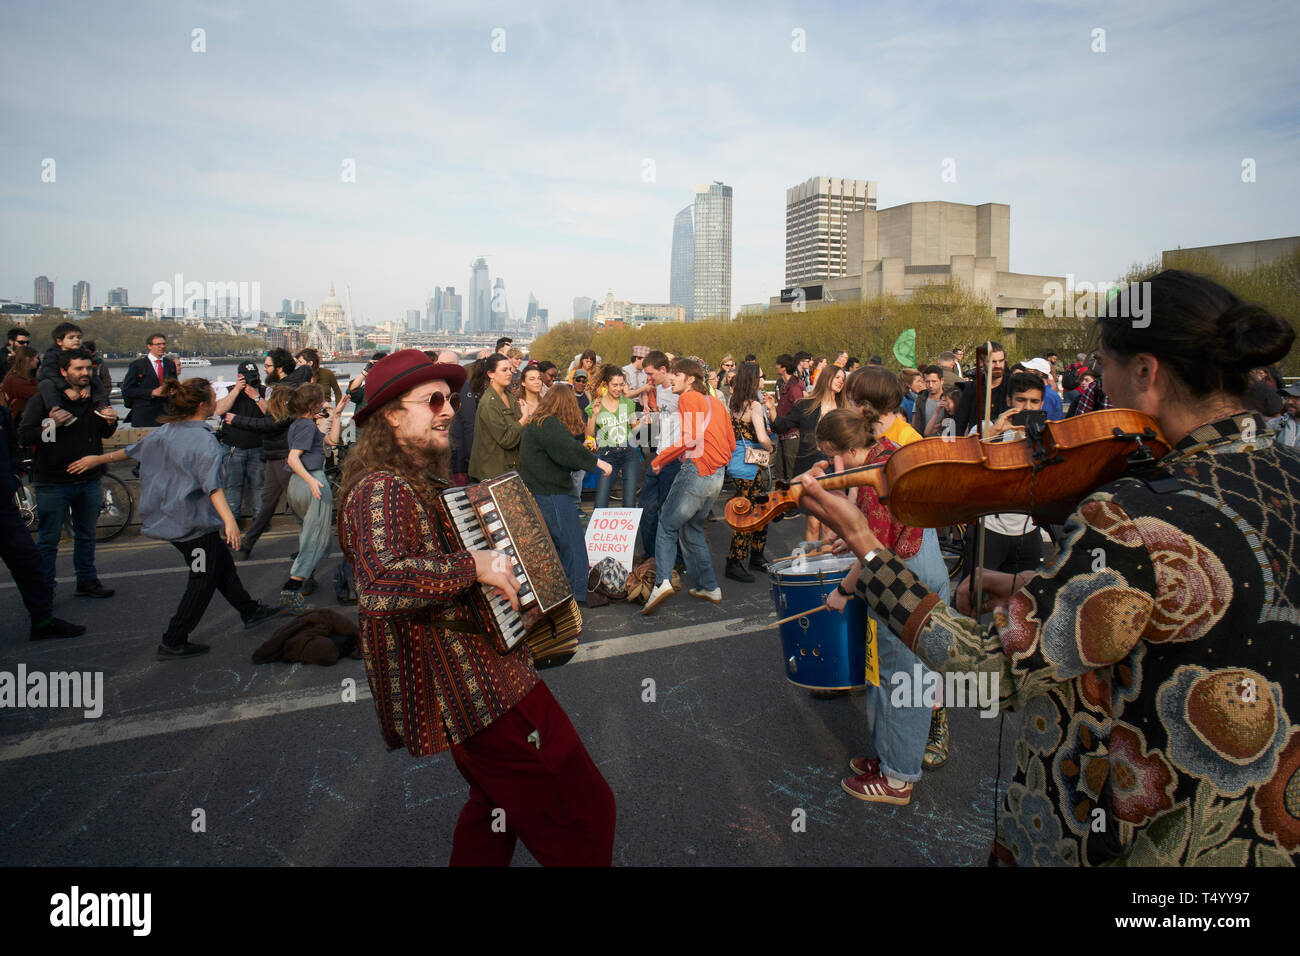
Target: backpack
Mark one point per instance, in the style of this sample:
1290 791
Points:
609 578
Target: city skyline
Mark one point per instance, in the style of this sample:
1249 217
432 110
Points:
140 192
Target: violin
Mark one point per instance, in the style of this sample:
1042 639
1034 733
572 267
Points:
948 480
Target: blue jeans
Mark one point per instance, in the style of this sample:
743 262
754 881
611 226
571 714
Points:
315 518
626 459
899 734
52 502
653 496
561 517
241 464
682 520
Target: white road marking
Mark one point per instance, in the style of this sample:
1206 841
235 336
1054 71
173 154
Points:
93 733
178 569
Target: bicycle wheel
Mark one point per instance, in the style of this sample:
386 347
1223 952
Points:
25 498
118 506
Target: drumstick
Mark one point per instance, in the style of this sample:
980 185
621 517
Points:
793 617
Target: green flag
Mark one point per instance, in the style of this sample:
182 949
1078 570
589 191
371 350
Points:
905 348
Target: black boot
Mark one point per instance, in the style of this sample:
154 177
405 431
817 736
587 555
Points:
736 571
758 561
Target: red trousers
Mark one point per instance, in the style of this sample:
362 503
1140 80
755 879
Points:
546 791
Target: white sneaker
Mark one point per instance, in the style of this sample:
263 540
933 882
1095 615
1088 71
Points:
715 595
663 590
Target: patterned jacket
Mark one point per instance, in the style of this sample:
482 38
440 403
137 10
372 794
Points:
1154 663
434 684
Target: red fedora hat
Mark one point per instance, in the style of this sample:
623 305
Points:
396 374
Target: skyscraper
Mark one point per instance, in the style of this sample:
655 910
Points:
44 292
500 313
300 306
543 321
816 217
286 306
479 318
412 320
81 296
432 308
583 306
117 298
449 317
681 279
712 251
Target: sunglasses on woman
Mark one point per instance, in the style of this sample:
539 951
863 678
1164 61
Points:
437 400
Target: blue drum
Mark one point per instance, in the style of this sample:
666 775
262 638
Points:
827 650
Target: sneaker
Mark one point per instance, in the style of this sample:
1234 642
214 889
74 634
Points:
294 602
936 748
264 612
56 627
715 595
308 585
187 649
875 788
244 553
861 765
93 589
663 590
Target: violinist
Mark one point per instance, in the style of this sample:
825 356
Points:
968 409
1155 660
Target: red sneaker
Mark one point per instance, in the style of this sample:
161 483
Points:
875 788
861 765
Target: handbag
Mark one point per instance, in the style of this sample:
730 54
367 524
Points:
757 456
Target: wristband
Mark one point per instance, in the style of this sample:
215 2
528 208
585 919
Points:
840 588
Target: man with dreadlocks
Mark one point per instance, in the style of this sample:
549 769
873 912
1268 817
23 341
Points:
438 683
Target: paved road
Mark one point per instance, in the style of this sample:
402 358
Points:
285 772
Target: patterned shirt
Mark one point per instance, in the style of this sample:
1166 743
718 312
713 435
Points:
1154 662
435 683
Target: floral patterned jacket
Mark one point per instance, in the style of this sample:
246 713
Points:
1154 663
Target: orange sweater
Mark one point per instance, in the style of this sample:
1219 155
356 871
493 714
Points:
711 447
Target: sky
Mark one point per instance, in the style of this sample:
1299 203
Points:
563 155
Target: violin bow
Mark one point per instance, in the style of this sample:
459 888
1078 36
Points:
986 426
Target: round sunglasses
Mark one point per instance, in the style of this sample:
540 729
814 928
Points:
436 401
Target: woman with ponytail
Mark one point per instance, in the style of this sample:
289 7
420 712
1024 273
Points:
1154 659
183 500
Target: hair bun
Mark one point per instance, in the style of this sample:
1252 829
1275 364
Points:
1252 337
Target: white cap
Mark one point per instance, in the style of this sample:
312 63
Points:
1038 365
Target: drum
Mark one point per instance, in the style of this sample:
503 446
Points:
827 650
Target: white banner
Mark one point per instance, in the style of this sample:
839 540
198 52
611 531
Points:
612 533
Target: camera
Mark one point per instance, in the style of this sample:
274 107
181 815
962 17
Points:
1027 417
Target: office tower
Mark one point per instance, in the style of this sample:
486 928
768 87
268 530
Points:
479 317
500 314
681 280
712 251
531 315
81 297
286 306
44 292
432 308
449 317
299 307
117 298
583 307
543 321
816 224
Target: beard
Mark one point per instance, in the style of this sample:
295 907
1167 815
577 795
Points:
436 463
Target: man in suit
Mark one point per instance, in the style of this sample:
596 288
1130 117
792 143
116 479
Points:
142 385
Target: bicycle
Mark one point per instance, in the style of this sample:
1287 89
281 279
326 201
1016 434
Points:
115 511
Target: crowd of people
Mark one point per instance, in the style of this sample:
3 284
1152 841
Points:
666 433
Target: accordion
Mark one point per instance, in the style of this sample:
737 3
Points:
500 515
